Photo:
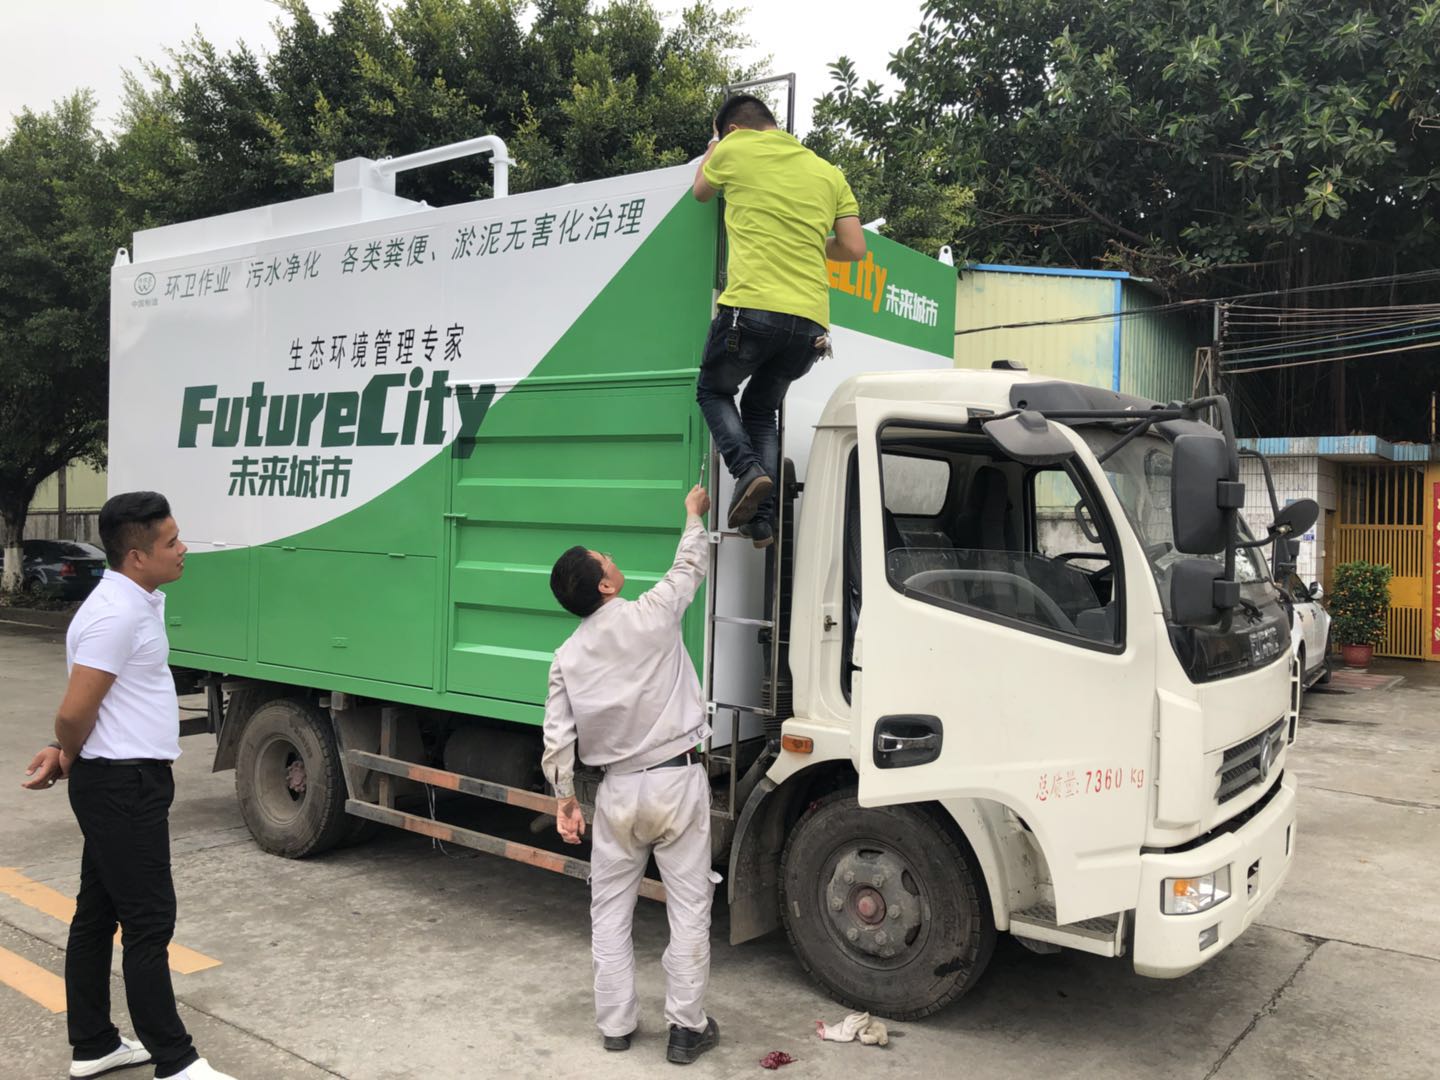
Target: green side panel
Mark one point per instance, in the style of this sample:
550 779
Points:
596 447
897 294
1157 352
205 611
597 465
354 613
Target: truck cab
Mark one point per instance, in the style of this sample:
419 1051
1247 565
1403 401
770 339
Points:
1000 720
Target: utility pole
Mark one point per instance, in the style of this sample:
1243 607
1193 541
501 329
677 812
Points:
60 502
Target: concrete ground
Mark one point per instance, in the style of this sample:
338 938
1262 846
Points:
397 960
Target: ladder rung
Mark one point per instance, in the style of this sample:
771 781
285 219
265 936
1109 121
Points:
725 534
717 706
739 621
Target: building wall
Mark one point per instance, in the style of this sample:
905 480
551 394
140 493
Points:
1152 356
84 489
84 495
1157 353
1083 352
1295 478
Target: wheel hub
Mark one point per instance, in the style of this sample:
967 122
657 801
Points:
295 776
870 905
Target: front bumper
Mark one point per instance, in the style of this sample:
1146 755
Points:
1258 855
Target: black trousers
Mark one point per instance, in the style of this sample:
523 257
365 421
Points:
124 815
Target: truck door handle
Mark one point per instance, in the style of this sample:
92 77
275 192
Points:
908 740
891 743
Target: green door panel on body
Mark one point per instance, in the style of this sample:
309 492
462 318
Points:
352 613
205 611
600 466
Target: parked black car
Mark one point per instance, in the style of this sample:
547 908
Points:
67 569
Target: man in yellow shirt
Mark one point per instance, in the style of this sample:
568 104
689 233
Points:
773 320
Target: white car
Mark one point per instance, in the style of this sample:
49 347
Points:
1309 630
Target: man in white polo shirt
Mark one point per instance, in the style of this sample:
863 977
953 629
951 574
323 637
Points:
117 732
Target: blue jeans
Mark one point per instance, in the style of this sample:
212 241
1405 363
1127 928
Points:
772 351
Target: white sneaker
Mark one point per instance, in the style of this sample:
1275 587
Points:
131 1052
201 1070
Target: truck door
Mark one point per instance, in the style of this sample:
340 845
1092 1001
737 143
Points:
1000 654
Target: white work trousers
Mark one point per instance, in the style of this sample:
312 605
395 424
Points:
666 811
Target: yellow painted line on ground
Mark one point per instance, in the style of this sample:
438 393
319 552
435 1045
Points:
57 905
40 986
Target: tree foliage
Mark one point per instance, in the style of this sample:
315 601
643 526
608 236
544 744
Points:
579 91
582 92
1213 146
1184 141
59 229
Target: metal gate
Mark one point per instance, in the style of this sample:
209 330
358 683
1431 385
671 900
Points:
1382 520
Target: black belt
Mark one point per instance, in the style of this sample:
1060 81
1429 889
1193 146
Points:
689 757
126 761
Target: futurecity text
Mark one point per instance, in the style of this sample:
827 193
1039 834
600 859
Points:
332 418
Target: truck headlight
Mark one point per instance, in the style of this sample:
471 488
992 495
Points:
1187 896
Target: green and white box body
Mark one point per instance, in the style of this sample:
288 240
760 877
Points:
379 423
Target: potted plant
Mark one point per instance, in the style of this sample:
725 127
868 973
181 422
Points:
1358 603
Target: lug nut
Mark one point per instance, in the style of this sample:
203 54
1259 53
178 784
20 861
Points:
880 881
849 877
881 938
895 911
836 903
853 934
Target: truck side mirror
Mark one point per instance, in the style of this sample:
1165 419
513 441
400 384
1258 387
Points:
1296 519
1199 593
1202 490
1287 554
1030 439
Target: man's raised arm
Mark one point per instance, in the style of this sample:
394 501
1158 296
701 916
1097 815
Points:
672 593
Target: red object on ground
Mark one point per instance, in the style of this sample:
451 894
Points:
775 1059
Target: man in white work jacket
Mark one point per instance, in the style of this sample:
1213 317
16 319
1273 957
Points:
117 734
624 696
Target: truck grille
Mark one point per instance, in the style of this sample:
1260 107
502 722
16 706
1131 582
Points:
1248 763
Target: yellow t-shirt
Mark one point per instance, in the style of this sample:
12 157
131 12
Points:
781 201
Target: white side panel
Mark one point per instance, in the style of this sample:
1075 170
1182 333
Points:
286 315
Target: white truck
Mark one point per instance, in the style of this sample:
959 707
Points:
1009 667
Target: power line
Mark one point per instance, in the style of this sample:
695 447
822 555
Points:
1331 359
1411 278
1345 339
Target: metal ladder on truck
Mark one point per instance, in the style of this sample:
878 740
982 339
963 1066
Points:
772 631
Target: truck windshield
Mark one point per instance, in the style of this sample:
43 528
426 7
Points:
1139 474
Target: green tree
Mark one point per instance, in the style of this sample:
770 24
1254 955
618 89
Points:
583 92
59 228
1207 144
897 173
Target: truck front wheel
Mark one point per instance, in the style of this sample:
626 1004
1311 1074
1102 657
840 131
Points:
289 781
883 907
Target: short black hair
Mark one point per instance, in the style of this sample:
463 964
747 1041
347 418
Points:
575 581
127 522
746 110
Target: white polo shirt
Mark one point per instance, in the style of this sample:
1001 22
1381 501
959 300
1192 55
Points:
121 629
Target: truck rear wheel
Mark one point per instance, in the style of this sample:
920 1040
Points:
883 908
289 781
